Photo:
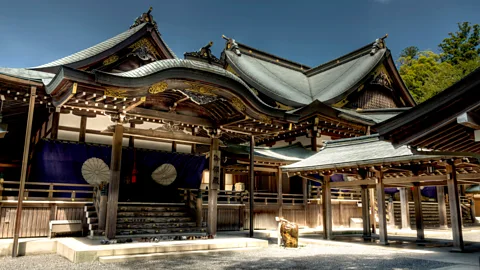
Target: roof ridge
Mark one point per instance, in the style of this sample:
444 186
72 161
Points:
355 140
264 53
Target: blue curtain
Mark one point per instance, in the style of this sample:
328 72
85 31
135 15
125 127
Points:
61 162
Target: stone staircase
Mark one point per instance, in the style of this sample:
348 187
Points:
430 214
149 220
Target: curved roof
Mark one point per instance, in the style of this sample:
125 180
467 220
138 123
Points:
27 74
296 87
360 151
294 152
94 50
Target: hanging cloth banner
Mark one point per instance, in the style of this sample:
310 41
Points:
61 162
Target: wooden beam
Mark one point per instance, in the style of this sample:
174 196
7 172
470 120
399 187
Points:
171 136
382 217
468 176
114 183
134 105
412 179
327 208
23 172
311 178
469 119
455 211
417 200
21 81
192 120
356 183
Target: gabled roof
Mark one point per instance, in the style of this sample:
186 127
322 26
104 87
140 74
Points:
297 85
94 50
354 152
23 73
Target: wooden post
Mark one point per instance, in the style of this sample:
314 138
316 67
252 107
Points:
404 208
313 139
23 173
131 139
373 222
442 207
391 212
222 179
114 184
280 192
455 211
83 128
194 146
382 218
365 213
213 185
55 123
199 208
327 208
252 182
417 199
102 215
174 147
305 199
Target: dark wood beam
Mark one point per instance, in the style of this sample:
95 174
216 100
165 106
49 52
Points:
469 119
192 120
171 136
114 183
83 129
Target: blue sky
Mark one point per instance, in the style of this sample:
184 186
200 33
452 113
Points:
310 32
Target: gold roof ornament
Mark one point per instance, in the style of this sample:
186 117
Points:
159 87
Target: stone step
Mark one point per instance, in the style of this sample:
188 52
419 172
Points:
164 235
89 208
90 214
159 231
93 233
152 214
147 208
93 226
178 254
155 225
92 220
153 219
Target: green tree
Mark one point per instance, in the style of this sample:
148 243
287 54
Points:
410 51
462 45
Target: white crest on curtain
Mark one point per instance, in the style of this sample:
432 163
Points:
165 174
95 171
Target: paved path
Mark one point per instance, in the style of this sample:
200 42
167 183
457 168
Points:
327 255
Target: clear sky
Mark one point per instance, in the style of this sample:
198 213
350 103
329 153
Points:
310 32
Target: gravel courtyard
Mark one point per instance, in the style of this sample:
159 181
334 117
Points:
273 257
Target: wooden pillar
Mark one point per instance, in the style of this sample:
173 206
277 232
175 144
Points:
213 185
23 173
313 139
102 215
405 212
391 212
194 146
373 222
280 192
442 207
305 199
327 208
55 123
455 211
417 199
131 139
83 128
382 217
222 179
252 182
114 183
365 213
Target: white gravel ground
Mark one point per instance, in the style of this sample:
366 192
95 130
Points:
273 257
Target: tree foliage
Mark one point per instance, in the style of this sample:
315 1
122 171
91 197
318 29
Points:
462 45
426 73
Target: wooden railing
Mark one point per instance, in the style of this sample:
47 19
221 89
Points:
315 194
45 191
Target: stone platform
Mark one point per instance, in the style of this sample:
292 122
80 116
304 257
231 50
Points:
79 250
